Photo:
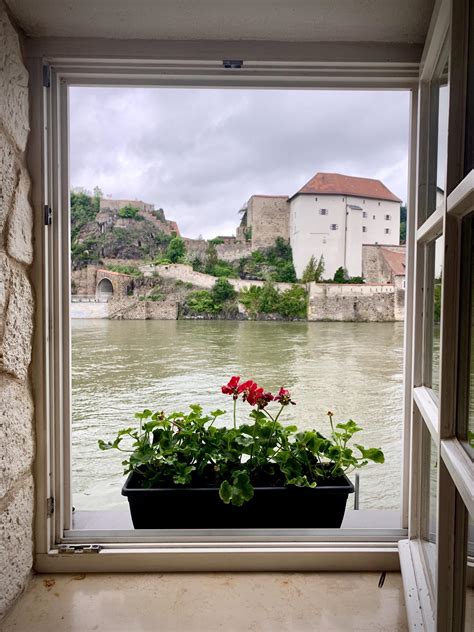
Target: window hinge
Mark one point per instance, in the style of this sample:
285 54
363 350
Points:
46 76
75 549
50 505
48 215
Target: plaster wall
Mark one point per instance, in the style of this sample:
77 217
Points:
327 225
17 436
375 268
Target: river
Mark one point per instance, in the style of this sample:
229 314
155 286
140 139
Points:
119 367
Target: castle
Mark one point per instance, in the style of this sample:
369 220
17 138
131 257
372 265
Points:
332 215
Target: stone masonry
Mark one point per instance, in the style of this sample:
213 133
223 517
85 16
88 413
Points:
17 437
268 217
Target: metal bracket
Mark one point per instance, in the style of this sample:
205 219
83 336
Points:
232 63
79 549
48 215
46 76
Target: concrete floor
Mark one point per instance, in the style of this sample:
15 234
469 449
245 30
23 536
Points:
205 602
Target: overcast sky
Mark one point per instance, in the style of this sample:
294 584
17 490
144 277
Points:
200 154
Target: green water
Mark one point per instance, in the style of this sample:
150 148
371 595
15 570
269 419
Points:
119 367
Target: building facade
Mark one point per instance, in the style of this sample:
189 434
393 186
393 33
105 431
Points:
335 215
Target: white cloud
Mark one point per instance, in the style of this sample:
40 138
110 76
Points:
200 153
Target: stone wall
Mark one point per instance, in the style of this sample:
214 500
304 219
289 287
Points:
359 303
375 268
230 251
185 273
17 442
269 218
133 309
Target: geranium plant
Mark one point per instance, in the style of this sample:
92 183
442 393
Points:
189 449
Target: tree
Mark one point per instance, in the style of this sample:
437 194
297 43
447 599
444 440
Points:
211 258
176 250
314 271
403 224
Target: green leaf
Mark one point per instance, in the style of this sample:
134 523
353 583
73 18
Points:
372 454
218 412
239 491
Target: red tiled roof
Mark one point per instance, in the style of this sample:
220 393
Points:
338 184
395 260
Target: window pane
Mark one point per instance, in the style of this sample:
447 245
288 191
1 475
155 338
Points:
439 139
433 284
466 337
469 616
429 499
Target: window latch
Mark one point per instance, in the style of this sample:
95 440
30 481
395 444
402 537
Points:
48 215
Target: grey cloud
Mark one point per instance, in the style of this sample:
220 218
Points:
200 154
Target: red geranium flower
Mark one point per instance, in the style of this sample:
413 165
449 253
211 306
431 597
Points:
258 397
284 397
232 387
246 388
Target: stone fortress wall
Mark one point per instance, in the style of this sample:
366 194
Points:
268 217
17 416
355 303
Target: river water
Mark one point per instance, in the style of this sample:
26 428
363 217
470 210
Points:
120 367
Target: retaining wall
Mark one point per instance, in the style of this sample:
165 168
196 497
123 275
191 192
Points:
359 303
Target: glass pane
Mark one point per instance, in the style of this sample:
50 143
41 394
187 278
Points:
442 152
469 616
434 273
439 136
466 338
429 498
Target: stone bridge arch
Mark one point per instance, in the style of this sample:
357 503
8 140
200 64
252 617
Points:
105 289
112 285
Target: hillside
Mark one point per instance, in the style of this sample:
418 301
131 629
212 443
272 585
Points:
101 230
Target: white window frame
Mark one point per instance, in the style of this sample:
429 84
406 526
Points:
48 156
436 602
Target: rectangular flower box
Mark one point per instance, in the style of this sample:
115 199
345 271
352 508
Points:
321 507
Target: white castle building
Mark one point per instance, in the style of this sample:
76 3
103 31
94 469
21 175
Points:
335 215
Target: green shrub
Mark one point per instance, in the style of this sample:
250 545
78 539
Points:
201 302
176 250
130 212
216 241
124 269
291 303
222 291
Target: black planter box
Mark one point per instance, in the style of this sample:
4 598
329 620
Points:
293 507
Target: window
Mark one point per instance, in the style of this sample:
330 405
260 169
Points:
316 199
323 211
364 229
378 203
388 217
373 216
333 227
387 231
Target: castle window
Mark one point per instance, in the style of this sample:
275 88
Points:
364 229
364 213
323 211
379 203
373 216
333 226
316 199
388 217
387 231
